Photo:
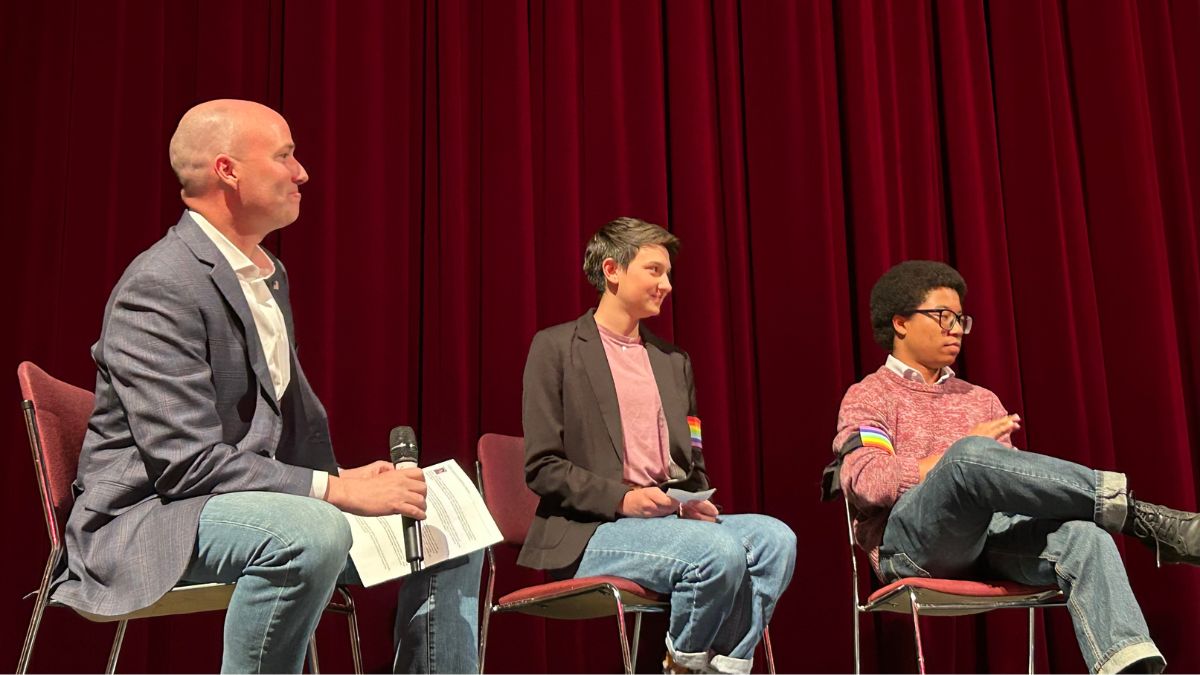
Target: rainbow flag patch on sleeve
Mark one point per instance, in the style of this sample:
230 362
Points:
874 437
694 429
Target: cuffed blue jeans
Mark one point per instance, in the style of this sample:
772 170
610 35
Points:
986 510
724 579
286 553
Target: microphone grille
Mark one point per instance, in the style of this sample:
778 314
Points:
402 444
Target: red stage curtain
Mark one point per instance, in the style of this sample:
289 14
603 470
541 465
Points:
462 151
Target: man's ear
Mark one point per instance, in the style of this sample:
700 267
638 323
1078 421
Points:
225 169
900 325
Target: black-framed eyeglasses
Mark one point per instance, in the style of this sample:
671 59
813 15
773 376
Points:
948 319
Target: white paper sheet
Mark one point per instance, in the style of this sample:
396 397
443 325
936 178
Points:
456 523
683 496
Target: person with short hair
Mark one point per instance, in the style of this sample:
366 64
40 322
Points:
610 422
207 457
936 488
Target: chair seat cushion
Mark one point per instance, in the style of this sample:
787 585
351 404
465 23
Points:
952 597
582 598
179 600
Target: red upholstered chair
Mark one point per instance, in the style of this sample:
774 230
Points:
501 474
56 417
920 596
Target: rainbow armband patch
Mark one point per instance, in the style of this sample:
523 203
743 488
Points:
874 437
694 430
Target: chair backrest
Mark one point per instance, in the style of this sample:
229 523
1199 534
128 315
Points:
56 417
502 475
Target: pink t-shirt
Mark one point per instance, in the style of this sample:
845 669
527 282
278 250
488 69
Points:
643 423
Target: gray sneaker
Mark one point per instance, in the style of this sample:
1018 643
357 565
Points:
1174 535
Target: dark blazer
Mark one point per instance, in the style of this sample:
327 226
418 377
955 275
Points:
574 445
185 409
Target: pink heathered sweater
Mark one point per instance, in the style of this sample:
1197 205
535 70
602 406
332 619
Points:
920 419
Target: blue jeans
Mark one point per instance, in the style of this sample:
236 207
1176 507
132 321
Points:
989 511
286 553
724 579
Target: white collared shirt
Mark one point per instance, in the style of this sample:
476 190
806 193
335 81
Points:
909 373
268 319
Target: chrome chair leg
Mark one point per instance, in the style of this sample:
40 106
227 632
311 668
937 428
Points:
35 622
39 609
637 636
616 594
351 611
766 637
118 639
916 609
314 666
857 652
483 635
487 602
853 586
1031 641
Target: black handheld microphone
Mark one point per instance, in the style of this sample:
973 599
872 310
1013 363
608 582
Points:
402 446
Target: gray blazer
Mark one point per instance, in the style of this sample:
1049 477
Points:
185 409
574 444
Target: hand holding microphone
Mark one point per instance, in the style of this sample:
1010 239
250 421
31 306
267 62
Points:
367 470
379 489
384 489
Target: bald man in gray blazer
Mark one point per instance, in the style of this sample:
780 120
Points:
208 456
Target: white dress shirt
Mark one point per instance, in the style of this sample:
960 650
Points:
909 373
268 319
